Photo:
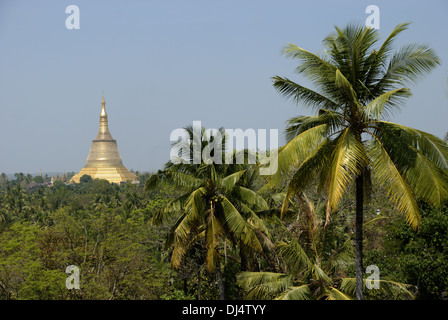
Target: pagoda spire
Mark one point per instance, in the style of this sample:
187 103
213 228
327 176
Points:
104 123
103 107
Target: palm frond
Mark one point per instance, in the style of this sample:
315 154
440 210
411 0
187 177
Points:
297 125
249 238
184 180
229 182
421 158
334 294
179 237
376 61
302 292
213 232
317 161
311 64
386 100
342 82
254 220
307 97
179 178
296 150
173 206
295 257
410 63
252 198
428 181
389 289
320 275
263 285
195 204
349 158
434 148
232 216
386 47
388 176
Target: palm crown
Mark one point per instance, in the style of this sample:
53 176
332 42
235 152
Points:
218 202
358 88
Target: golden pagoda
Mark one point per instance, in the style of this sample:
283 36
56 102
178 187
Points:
104 160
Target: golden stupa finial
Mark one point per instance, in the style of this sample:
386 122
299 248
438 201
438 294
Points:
103 106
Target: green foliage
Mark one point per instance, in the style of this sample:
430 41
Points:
38 179
99 227
85 179
232 289
422 257
121 254
22 272
176 295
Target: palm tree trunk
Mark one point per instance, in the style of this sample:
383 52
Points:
199 284
185 287
358 236
243 258
220 282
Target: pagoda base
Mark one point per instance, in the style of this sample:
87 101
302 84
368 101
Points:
111 174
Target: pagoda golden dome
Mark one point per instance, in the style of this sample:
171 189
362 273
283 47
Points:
104 160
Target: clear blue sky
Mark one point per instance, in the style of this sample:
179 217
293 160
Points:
163 64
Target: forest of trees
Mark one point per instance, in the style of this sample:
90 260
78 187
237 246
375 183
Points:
110 233
352 191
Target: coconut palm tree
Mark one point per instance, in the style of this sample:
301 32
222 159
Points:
308 281
217 204
350 139
313 264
